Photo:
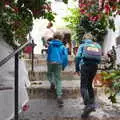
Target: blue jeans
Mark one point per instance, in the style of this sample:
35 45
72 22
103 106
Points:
88 71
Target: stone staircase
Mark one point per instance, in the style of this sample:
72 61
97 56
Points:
43 105
40 85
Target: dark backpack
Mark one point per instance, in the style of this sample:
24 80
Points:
92 51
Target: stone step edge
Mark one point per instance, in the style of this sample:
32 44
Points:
37 56
70 90
41 61
46 93
79 118
42 72
33 76
65 84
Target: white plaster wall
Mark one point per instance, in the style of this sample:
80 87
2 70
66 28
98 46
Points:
37 33
109 40
61 10
7 80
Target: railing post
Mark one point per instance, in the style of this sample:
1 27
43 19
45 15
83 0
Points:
16 85
32 55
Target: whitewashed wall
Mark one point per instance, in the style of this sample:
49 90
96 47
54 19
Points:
7 80
109 40
61 10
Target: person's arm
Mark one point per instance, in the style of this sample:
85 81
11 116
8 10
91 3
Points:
65 58
49 52
78 58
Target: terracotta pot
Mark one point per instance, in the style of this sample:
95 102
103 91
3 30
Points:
98 80
107 83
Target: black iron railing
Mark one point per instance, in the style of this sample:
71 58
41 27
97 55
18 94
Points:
16 75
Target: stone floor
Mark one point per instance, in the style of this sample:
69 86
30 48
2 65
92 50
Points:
47 109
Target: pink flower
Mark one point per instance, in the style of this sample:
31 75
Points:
82 11
113 8
118 12
82 5
16 9
94 18
7 3
25 107
100 3
107 9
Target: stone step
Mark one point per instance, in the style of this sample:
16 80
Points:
47 109
43 67
40 56
41 62
40 89
65 75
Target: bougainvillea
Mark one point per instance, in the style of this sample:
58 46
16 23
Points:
95 17
16 17
100 11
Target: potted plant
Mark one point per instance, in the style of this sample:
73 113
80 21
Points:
111 82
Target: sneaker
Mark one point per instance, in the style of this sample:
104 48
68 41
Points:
87 111
52 87
60 101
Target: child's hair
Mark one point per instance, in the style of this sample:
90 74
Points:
88 36
50 39
58 35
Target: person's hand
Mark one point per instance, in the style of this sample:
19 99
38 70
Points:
46 45
63 68
77 73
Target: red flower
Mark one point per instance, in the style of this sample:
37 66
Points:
112 0
100 3
44 6
107 9
118 12
82 11
25 107
6 3
89 3
88 14
94 18
113 8
48 7
16 9
82 5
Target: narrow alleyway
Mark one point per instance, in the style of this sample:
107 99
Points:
43 105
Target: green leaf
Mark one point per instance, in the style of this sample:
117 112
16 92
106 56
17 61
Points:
65 1
111 24
112 98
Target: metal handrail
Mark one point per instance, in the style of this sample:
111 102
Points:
2 62
16 75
